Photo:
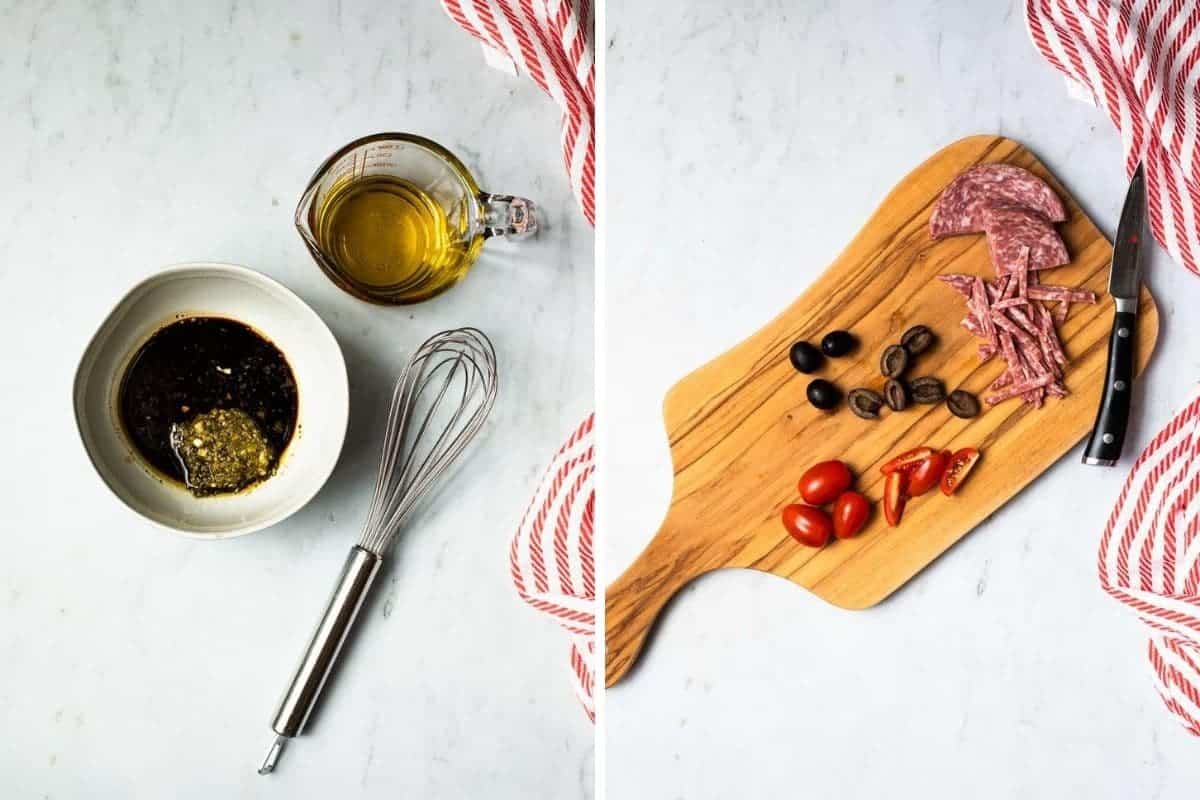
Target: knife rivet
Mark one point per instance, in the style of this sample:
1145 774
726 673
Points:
1123 333
1119 386
1107 438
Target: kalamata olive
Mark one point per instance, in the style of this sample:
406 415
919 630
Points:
838 343
895 394
823 394
926 390
805 357
917 339
864 403
963 404
894 361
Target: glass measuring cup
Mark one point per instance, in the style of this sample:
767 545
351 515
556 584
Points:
395 218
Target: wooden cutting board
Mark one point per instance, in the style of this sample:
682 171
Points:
741 431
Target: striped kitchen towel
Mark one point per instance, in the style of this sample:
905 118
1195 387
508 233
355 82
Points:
1150 558
551 42
1139 61
551 555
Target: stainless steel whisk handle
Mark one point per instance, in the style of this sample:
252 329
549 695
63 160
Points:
315 667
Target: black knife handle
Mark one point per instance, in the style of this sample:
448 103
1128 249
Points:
1104 445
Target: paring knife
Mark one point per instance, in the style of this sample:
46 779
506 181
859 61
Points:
1124 282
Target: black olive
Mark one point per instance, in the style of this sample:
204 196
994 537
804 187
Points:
838 343
823 394
917 339
963 404
805 357
894 361
865 403
896 395
927 390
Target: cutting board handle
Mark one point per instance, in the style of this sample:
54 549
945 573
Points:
634 600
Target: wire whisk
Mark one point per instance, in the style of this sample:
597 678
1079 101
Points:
450 380
440 402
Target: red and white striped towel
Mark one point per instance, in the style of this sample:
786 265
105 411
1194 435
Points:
1139 60
551 42
1150 558
551 555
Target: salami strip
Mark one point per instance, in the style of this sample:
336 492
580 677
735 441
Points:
1002 321
1005 379
1061 293
1022 272
1011 229
1008 288
1012 302
960 208
1047 327
1019 388
960 283
979 307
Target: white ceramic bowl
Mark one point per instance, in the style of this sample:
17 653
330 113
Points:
221 290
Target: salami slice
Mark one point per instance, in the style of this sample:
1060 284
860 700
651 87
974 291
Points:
1011 229
960 208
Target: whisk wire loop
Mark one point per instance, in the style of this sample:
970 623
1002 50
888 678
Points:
439 403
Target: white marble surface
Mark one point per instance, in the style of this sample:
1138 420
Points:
134 663
745 148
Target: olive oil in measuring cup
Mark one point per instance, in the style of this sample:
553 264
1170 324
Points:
384 231
395 218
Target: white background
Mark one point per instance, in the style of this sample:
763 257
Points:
745 148
135 663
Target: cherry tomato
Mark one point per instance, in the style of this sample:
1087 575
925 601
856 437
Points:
807 525
907 460
823 482
926 474
850 512
894 497
960 464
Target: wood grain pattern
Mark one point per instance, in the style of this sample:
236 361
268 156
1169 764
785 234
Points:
741 431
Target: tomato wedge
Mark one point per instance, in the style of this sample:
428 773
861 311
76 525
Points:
960 464
894 497
926 474
907 460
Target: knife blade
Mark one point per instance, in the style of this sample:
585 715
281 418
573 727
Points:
1125 274
1124 282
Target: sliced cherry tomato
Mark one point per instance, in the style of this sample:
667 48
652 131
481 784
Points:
960 464
894 497
907 460
823 482
850 512
926 474
807 525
